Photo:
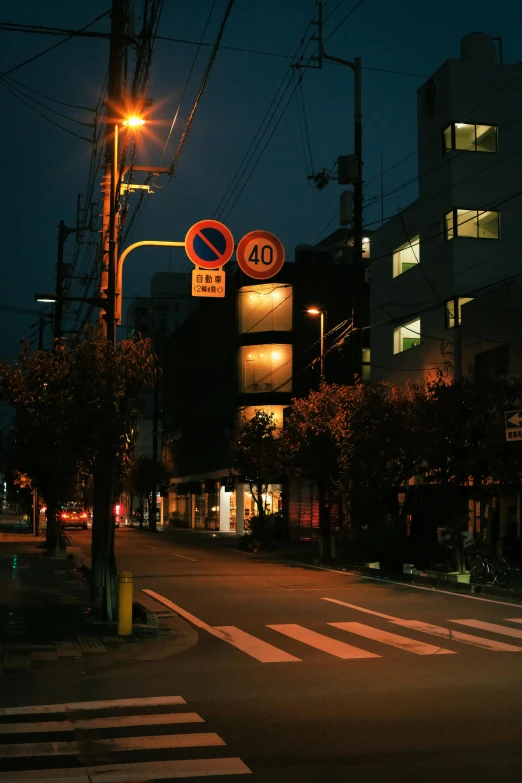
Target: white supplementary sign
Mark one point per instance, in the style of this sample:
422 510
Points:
209 283
513 424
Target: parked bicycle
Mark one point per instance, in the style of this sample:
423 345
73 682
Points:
486 569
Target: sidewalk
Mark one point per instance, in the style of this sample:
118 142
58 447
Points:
46 614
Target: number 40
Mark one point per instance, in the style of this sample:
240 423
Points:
266 256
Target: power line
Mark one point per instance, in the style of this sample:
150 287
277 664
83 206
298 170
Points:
54 46
203 83
211 11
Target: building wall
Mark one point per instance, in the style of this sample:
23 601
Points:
472 91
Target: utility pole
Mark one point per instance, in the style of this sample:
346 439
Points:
58 307
111 176
457 341
350 169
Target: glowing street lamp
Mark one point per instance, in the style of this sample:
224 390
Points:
133 122
321 313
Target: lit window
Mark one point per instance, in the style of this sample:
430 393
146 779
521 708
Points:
265 368
450 311
406 336
472 223
406 256
265 308
474 138
276 411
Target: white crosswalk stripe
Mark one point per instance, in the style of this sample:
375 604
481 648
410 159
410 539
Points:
393 639
458 636
124 739
321 642
504 630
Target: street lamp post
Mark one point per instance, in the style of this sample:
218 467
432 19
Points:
321 313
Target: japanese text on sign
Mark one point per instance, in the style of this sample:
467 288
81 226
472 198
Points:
208 283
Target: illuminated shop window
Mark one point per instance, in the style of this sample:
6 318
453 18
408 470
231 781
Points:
275 410
265 308
265 368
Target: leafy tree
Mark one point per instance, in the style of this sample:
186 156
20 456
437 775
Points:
38 388
313 448
104 426
145 477
380 447
78 407
259 456
465 446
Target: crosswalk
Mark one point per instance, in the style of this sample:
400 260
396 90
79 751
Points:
267 647
111 741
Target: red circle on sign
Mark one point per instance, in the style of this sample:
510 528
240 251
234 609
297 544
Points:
260 254
209 244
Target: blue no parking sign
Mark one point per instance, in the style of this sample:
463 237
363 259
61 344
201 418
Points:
209 244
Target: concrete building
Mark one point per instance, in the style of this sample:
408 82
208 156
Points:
255 349
463 235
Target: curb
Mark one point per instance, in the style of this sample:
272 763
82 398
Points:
168 634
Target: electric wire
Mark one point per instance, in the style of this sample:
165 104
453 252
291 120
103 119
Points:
211 11
54 46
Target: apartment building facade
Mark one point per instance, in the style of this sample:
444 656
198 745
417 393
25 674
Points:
463 234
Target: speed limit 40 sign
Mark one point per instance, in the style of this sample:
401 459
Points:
260 255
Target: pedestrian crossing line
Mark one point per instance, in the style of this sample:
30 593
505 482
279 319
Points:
256 648
457 636
504 630
163 719
513 619
80 706
113 745
321 642
361 609
132 773
393 639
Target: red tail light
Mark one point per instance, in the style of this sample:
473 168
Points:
84 515
65 516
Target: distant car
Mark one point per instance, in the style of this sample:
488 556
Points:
74 517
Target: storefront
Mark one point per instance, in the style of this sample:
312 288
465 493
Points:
209 505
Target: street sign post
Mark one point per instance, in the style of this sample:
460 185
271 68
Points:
209 283
260 255
209 244
513 423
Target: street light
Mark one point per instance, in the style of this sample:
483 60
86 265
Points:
322 313
134 122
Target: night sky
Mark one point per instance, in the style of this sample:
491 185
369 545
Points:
44 168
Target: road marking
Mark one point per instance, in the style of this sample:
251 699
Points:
143 771
109 704
187 615
393 639
162 719
361 609
320 642
493 627
77 775
457 636
184 557
513 619
162 742
151 547
256 648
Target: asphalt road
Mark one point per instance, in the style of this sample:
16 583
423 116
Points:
311 675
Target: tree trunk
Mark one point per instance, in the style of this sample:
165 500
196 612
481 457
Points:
141 511
104 574
324 520
54 541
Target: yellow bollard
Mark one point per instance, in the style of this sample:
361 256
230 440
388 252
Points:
124 603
